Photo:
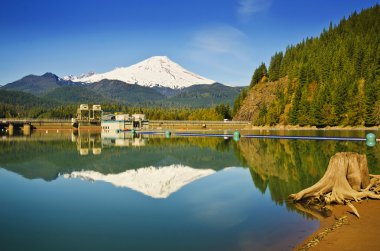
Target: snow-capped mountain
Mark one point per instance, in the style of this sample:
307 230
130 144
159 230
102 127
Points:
156 182
78 78
155 71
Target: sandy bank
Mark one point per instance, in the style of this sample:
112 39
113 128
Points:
344 231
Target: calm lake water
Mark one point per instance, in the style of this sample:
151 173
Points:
64 191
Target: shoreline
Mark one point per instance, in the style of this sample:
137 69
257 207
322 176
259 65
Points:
312 128
249 128
188 125
179 128
344 231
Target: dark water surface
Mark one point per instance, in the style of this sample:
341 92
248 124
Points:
63 191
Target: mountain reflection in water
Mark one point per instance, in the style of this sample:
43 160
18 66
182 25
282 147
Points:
181 193
282 166
156 182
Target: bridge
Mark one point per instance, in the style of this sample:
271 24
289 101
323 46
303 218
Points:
26 125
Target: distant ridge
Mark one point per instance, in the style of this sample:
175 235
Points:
38 85
154 82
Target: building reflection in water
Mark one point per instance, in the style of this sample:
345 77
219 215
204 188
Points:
94 142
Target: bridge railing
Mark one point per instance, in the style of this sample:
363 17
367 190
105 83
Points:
26 120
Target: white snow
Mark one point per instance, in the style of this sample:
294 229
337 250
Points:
77 78
156 182
154 71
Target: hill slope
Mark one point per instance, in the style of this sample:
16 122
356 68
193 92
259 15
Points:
21 104
121 92
24 99
261 95
37 85
205 95
332 80
75 94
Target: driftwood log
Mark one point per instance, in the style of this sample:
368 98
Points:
346 179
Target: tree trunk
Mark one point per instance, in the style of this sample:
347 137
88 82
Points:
345 179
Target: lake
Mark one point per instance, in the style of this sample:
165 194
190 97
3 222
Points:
81 191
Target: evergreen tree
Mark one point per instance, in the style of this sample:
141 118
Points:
224 111
239 100
274 67
258 74
334 79
294 114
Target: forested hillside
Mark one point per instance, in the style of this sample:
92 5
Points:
16 104
332 79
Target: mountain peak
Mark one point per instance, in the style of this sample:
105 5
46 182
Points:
163 58
155 71
50 75
158 60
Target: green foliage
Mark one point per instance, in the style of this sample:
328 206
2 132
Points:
198 96
23 105
282 167
224 111
120 92
24 99
274 66
239 100
261 120
259 73
334 79
75 94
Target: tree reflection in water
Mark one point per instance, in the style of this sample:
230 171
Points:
280 166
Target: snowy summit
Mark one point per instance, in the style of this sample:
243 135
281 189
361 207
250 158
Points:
154 71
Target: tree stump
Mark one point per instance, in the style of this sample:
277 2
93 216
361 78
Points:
346 179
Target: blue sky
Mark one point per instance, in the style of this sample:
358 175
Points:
224 40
